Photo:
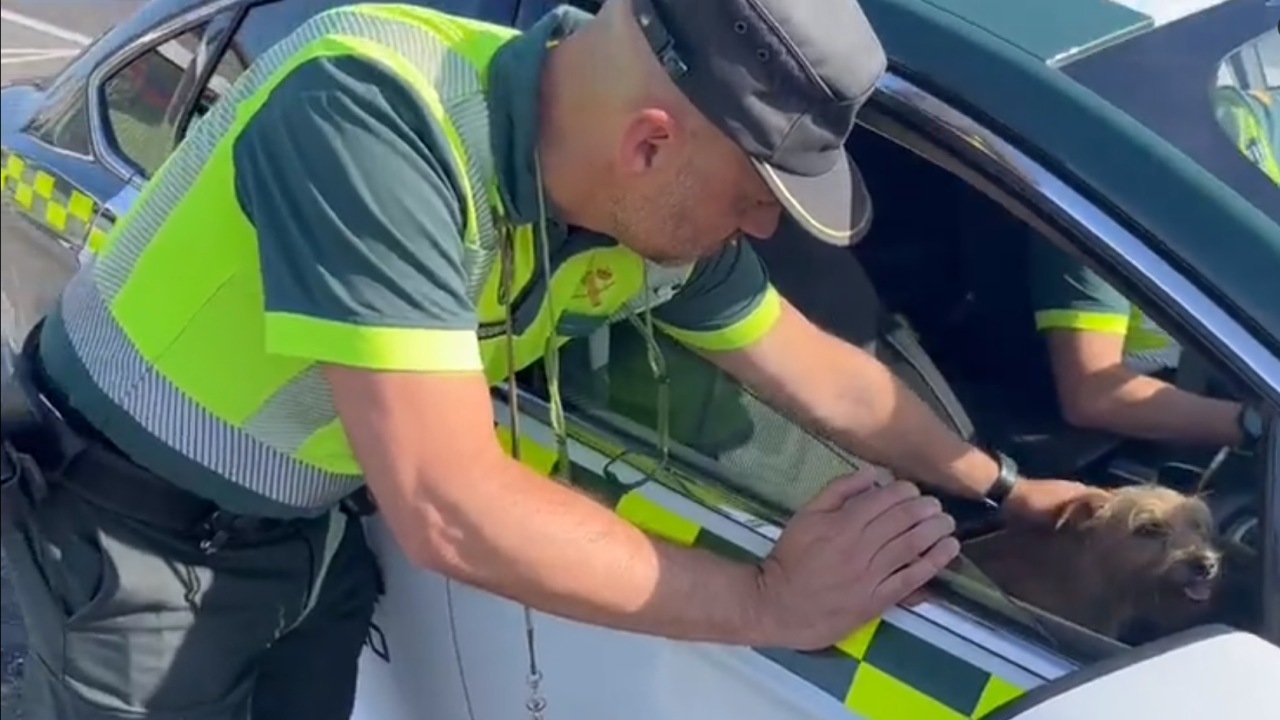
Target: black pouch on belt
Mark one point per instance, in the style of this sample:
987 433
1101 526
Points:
22 483
36 442
22 487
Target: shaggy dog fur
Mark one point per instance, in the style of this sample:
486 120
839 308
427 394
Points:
1139 559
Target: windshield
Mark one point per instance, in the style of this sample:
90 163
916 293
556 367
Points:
1246 102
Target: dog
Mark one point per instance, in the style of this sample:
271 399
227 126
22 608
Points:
1137 561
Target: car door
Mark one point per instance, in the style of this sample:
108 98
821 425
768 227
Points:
78 149
972 665
53 191
923 661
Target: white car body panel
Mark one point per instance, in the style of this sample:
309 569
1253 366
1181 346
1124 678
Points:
409 668
1235 675
454 651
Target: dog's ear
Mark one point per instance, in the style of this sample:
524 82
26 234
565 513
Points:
1083 509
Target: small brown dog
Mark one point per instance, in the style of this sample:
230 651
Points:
1140 559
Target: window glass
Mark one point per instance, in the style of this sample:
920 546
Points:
65 122
708 414
1246 101
230 67
141 101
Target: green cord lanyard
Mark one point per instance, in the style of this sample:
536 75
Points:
536 704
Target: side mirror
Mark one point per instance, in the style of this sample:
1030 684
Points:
1207 672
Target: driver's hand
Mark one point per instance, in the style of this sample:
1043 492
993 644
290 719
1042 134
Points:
862 545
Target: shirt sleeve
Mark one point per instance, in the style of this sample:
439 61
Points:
358 209
1067 295
727 303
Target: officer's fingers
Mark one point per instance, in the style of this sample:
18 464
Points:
909 546
840 490
900 518
860 511
911 578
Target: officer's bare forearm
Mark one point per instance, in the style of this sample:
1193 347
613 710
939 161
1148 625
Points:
521 535
851 397
461 507
1121 401
1097 390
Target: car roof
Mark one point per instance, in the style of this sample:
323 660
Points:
1061 32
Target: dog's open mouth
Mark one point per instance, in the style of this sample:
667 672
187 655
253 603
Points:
1199 590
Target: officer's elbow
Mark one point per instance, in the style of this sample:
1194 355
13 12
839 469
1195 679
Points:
1082 411
441 518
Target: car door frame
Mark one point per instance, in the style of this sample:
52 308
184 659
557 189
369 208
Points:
1106 243
1271 539
1101 239
162 32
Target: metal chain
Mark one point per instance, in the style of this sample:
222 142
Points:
535 704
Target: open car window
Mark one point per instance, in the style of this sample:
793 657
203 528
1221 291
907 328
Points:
730 451
709 415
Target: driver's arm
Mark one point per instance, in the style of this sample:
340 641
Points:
359 228
730 313
1086 322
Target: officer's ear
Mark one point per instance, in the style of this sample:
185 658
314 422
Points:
648 140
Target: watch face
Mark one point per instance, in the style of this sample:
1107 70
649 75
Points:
1252 421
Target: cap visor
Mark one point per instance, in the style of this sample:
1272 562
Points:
834 207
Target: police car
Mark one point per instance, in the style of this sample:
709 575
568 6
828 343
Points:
1138 135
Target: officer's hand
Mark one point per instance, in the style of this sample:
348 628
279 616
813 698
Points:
853 552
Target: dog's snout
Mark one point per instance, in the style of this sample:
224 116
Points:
1203 566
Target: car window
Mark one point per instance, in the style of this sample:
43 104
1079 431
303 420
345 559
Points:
750 456
64 121
141 101
230 67
707 414
1246 101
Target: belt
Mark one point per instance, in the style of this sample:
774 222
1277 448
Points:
73 454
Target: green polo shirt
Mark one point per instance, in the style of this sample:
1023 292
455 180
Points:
359 215
1067 295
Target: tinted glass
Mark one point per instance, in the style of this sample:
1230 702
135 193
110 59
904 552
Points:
64 123
230 67
141 101
1246 102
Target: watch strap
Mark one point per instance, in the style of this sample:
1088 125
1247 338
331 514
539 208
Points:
1251 424
1005 479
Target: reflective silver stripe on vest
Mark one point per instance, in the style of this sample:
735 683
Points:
180 422
260 456
1154 359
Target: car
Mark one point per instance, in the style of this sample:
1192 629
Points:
1135 135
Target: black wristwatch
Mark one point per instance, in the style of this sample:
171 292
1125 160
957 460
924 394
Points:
1004 482
1252 426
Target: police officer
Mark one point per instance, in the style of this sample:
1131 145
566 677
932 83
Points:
1251 118
1112 366
390 211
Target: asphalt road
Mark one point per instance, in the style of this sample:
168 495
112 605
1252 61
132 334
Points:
37 37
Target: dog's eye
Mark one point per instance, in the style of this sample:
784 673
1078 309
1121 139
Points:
1151 529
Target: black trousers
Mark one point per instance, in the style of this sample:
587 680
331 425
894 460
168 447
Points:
126 619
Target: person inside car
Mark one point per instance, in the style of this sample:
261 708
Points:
1112 366
1251 118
